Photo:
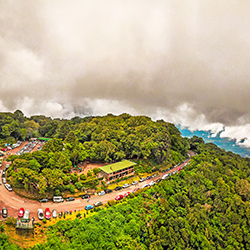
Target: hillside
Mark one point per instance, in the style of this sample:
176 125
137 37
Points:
204 206
94 139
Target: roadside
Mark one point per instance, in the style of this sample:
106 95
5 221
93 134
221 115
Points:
13 202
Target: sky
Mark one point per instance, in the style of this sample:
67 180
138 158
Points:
183 61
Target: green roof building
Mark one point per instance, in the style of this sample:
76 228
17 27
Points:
117 170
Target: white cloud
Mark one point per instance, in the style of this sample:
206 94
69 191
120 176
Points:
239 133
183 61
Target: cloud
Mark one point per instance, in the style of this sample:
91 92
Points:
184 61
239 133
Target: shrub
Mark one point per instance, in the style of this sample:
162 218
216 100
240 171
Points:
78 185
44 221
74 178
83 177
11 221
96 171
57 192
78 215
90 173
72 189
111 202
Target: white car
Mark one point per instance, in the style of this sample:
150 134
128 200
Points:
145 185
26 214
4 181
40 214
54 213
126 185
151 183
101 193
134 182
8 187
165 176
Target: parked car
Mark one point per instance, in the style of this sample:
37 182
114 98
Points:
134 182
4 212
142 179
119 197
154 175
4 181
88 207
43 200
40 214
8 187
126 194
54 213
136 189
101 193
158 180
149 177
85 196
165 176
118 188
126 185
70 199
145 185
26 214
151 183
21 212
107 191
57 199
98 203
47 214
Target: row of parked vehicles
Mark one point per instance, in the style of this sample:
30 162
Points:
27 148
10 147
47 214
126 185
8 186
59 199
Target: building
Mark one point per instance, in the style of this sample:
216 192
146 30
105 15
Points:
117 170
24 224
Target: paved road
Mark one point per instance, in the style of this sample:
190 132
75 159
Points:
13 202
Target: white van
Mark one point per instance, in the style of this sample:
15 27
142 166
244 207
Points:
26 214
165 176
57 199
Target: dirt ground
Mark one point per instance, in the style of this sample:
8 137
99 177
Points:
85 167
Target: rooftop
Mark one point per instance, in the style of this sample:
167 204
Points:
24 225
117 166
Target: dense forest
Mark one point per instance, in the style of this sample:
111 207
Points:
96 139
204 206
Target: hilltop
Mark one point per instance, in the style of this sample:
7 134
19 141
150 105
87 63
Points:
206 205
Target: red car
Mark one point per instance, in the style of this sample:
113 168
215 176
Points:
47 214
136 189
21 212
179 168
126 194
119 197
